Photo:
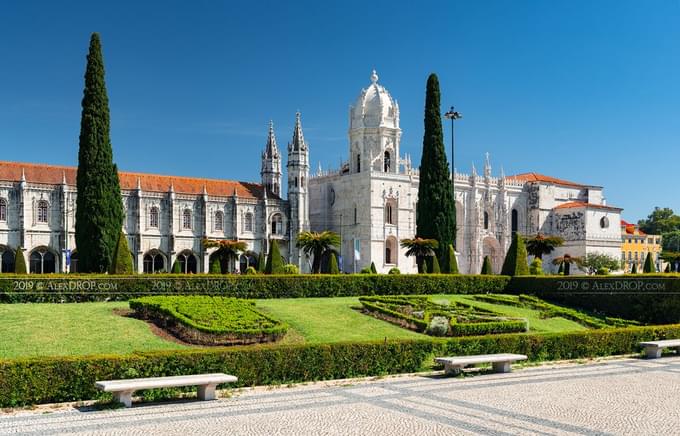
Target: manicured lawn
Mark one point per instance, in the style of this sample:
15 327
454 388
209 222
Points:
331 320
536 323
75 328
92 328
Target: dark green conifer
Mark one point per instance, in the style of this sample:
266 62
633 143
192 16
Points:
436 212
515 263
487 268
374 270
649 266
99 208
261 262
122 259
176 267
19 261
453 262
634 269
274 262
333 264
215 267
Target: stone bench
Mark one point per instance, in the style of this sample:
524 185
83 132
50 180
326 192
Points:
500 362
653 348
122 390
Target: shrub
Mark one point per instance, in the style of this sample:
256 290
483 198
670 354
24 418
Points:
652 299
122 259
515 263
373 269
333 264
274 261
439 326
19 261
210 320
488 328
394 270
251 271
634 269
649 266
602 271
487 269
433 266
560 270
366 270
291 269
536 267
453 261
261 262
59 379
81 287
176 267
215 267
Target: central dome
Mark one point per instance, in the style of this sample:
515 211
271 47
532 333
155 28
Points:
374 107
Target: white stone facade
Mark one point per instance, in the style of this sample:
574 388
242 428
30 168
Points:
370 201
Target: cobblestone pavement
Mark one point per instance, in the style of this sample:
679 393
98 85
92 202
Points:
622 396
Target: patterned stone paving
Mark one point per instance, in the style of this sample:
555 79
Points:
622 396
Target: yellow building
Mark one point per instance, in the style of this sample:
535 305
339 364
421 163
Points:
635 244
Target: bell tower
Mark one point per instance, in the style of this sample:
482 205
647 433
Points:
271 164
298 193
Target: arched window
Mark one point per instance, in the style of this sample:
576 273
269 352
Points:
302 181
514 222
187 262
486 220
3 209
248 222
296 182
389 213
387 162
42 261
42 211
604 222
359 163
153 217
390 251
6 259
154 262
219 220
186 219
277 224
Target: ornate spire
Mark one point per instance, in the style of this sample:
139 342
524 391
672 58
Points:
474 170
271 150
487 166
319 171
374 76
298 142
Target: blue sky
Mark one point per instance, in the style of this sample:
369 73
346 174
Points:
586 91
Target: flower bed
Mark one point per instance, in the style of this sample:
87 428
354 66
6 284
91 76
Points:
208 320
420 314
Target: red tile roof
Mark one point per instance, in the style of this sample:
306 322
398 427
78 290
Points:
580 204
631 228
54 174
535 177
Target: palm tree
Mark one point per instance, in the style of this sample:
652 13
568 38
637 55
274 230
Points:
227 249
316 244
566 262
539 245
420 248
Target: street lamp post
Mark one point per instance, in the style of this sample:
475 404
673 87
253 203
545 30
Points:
453 116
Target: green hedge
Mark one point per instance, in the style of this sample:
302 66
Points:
76 288
488 327
649 298
45 380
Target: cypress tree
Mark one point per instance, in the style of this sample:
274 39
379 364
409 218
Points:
274 262
435 211
261 262
373 268
435 269
122 259
423 269
19 261
668 268
515 263
176 268
333 264
215 267
99 207
561 269
634 270
453 262
649 266
487 268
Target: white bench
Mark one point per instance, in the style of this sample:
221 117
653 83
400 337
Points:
122 390
500 362
653 348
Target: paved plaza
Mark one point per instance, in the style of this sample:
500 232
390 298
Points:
620 396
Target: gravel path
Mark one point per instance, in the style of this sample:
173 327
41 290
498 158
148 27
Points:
621 396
